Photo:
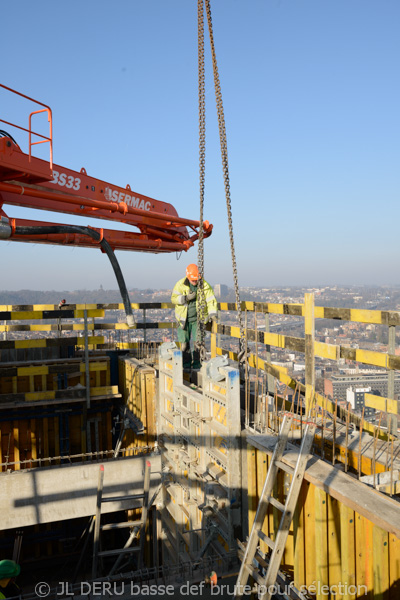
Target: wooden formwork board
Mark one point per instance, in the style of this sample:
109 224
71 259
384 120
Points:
137 383
344 535
52 375
50 434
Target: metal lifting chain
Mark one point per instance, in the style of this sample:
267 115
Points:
225 168
202 164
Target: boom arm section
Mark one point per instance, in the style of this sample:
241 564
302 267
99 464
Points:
35 183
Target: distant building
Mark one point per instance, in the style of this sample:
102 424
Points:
337 385
220 291
356 398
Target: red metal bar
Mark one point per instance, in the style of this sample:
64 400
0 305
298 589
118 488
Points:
112 207
50 139
118 240
49 115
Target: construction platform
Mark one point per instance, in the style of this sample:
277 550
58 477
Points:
119 469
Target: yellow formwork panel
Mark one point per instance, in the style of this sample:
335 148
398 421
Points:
380 545
321 540
347 550
261 466
299 566
334 549
364 556
219 413
380 403
252 484
331 545
394 566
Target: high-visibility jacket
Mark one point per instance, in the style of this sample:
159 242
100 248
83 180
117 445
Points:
181 289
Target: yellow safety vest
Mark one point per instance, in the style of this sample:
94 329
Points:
181 289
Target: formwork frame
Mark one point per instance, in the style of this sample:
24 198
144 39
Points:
200 438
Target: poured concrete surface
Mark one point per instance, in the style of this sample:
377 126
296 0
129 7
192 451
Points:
69 491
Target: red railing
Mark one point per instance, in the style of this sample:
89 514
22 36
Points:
45 139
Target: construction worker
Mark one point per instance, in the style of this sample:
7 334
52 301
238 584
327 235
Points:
8 570
185 296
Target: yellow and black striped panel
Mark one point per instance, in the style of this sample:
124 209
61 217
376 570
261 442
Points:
31 315
52 369
93 306
280 373
321 349
48 311
72 394
49 342
91 327
374 317
381 403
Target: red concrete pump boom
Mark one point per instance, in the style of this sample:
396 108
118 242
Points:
31 182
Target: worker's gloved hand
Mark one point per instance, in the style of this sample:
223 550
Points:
191 296
212 318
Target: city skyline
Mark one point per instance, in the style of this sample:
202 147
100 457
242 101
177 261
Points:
311 110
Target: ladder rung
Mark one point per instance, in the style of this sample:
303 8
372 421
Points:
255 574
108 526
266 539
119 551
276 503
284 467
122 498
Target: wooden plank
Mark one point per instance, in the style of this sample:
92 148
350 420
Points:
299 544
17 466
309 534
83 435
374 506
334 548
380 544
251 484
56 422
309 329
151 408
270 514
33 439
363 544
46 440
108 431
347 550
380 403
321 541
261 473
394 566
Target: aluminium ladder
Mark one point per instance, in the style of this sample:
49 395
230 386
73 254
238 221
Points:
249 552
137 527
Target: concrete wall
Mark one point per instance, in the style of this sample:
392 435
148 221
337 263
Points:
69 491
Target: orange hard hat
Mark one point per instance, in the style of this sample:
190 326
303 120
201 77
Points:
192 272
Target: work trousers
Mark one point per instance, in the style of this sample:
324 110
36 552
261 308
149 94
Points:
191 360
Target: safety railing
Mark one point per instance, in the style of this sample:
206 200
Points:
33 134
52 325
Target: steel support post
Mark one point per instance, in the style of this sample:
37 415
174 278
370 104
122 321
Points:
270 379
392 418
309 330
87 371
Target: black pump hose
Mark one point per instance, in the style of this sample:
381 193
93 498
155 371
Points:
40 230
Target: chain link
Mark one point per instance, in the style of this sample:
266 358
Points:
225 169
202 167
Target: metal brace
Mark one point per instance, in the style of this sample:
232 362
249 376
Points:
213 366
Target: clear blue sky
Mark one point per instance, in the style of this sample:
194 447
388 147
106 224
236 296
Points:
311 94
